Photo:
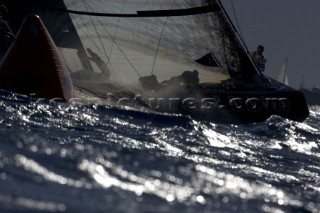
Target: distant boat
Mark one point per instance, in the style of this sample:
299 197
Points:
312 96
167 56
283 75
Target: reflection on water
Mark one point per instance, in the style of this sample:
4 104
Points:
73 158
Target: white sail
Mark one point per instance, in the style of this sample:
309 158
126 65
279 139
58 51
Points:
283 75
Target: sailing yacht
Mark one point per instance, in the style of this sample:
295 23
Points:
171 56
312 96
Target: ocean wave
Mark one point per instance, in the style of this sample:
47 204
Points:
60 157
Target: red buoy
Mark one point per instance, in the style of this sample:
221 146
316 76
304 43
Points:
34 66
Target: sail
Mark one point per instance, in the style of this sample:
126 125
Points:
282 75
209 60
121 42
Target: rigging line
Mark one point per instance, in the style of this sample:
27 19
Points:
115 43
244 46
237 21
88 34
112 44
221 28
227 21
126 57
95 28
158 45
84 29
104 52
115 33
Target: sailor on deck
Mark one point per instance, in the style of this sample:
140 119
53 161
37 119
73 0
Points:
99 62
259 58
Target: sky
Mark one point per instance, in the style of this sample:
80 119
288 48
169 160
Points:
286 28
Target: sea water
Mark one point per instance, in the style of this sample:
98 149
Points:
58 157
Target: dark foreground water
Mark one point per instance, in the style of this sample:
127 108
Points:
74 158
